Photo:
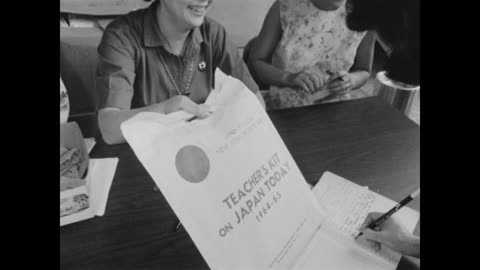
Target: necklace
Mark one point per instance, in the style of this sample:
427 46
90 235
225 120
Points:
172 80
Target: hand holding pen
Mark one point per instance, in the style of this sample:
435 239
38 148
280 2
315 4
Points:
393 234
387 230
339 83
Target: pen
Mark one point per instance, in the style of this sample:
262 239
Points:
397 207
191 118
331 74
178 226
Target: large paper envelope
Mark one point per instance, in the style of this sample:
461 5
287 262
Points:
230 179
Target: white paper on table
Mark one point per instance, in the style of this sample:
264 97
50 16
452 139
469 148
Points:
340 188
330 250
348 204
89 143
236 140
99 180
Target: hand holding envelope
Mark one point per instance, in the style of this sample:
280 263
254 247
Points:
229 178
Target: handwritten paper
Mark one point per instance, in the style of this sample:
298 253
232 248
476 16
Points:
347 205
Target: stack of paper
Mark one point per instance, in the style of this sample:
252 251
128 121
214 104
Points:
99 180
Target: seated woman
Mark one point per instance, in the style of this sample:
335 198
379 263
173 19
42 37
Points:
314 56
163 59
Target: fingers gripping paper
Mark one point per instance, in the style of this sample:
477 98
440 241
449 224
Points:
230 179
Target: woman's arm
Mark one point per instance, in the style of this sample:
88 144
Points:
362 66
359 72
259 58
110 118
261 52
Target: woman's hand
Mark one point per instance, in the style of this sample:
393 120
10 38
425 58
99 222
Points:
340 83
180 102
392 234
306 80
110 119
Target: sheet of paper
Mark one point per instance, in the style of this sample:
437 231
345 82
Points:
348 204
99 180
331 250
89 143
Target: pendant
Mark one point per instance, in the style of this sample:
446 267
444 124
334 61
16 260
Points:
202 66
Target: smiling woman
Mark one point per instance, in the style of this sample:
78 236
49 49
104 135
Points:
186 13
163 59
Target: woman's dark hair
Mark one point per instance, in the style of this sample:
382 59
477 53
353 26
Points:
397 22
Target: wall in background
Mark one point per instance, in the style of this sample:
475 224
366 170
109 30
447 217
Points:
242 18
101 7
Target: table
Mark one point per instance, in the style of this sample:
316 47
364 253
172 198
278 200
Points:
365 141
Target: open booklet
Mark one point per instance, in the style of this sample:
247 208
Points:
348 204
230 180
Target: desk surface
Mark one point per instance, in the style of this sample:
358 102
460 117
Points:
365 141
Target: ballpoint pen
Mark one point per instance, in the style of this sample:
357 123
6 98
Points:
392 211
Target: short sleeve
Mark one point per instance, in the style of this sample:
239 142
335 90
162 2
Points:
116 67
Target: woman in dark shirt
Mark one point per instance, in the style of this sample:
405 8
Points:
163 59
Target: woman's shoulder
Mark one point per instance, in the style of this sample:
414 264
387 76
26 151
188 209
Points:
130 24
212 30
212 26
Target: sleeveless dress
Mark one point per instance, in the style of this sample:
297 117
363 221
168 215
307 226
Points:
313 40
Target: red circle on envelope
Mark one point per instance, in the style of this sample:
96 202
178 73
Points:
192 163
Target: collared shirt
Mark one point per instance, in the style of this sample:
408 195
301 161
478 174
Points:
130 71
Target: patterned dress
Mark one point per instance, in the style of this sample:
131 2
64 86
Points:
313 40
